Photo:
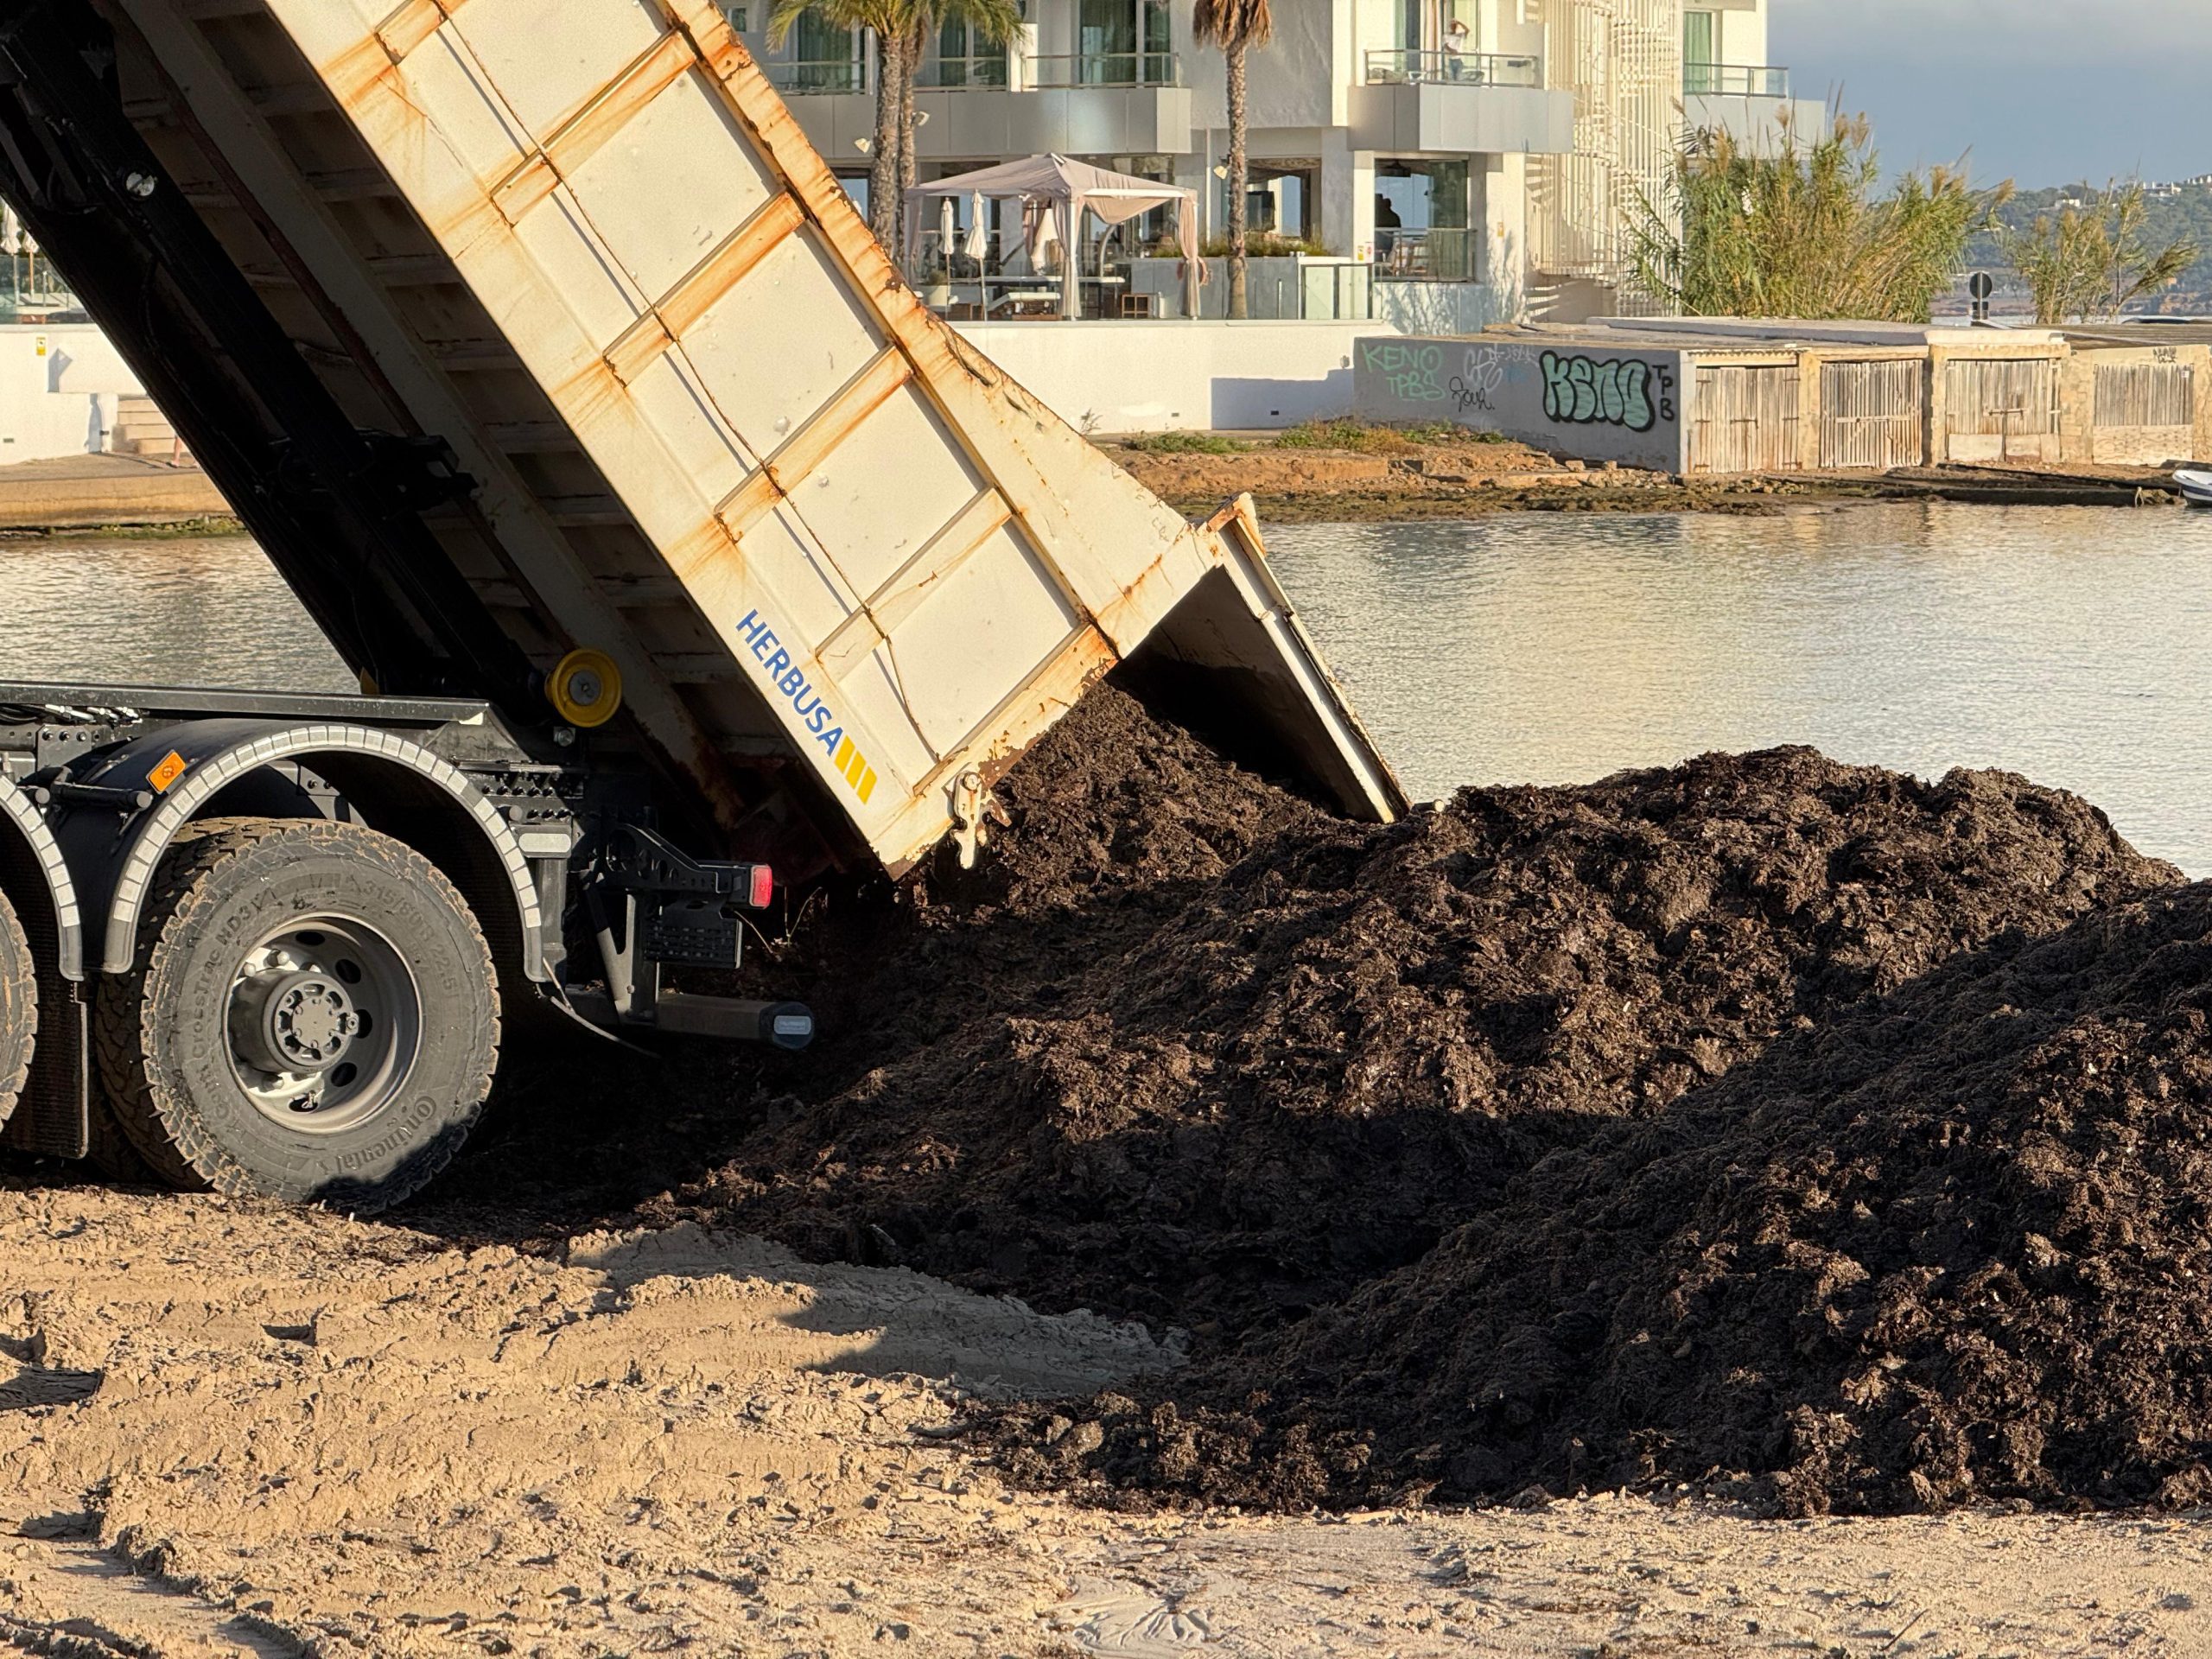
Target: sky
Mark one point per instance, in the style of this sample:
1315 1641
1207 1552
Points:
2041 92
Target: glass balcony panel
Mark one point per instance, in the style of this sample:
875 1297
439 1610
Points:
802 77
987 73
1736 79
1439 254
1411 66
1106 69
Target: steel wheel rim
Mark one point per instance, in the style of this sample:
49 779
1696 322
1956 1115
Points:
322 1024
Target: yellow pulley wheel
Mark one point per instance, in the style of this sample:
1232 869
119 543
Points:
585 689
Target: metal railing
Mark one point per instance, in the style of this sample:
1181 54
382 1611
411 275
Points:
988 71
1410 66
1103 69
823 75
1737 79
1444 254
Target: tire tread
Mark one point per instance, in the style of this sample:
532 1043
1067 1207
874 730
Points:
175 1144
18 991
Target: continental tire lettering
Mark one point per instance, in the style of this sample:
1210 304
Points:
377 1151
1588 391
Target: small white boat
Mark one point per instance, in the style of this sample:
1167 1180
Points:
2195 487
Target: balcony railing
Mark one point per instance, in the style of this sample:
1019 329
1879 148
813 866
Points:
826 75
988 72
991 72
1736 79
1441 254
1408 65
1104 69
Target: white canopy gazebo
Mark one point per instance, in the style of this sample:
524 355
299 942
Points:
1055 193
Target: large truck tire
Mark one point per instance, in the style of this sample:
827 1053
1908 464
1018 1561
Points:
315 1016
108 1150
18 1007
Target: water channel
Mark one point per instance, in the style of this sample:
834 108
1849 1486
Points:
2074 645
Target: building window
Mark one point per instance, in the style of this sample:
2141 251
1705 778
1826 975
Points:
1283 197
1124 43
1701 51
1432 25
1422 226
825 58
964 58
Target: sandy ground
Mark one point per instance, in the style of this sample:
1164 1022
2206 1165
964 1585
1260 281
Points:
232 1429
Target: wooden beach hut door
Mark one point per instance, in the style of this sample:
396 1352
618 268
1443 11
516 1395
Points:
2146 413
1872 413
2001 409
1744 418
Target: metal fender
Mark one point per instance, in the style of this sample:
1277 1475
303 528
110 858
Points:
22 814
114 870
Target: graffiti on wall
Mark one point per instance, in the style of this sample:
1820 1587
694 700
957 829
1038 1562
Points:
1409 372
1597 401
1474 390
1614 391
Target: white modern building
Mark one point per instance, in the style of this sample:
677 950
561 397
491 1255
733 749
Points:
1486 154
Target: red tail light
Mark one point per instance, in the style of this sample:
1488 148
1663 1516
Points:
762 884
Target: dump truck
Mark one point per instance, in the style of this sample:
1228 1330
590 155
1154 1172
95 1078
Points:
685 558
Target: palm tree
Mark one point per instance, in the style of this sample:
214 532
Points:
902 30
890 21
1234 26
987 22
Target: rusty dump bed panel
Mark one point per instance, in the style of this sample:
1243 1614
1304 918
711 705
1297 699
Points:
583 242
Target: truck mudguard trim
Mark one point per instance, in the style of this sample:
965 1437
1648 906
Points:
60 888
225 766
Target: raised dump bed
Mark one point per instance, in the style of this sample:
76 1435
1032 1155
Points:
714 436
681 551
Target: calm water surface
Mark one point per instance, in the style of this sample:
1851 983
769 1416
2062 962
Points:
2074 645
204 610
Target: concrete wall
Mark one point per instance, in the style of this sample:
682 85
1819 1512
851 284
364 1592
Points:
1597 403
1445 307
1178 376
59 387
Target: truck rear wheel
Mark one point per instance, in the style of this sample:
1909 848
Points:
315 1016
18 1007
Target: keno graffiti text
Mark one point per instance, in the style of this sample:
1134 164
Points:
1614 391
1410 372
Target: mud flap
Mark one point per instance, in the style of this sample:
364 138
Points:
54 1118
1245 672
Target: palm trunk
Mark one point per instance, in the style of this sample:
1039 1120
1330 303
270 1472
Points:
910 51
1239 188
883 205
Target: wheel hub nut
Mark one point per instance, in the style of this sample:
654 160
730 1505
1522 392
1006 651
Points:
311 1022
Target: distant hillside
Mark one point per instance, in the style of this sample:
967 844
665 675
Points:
2165 218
